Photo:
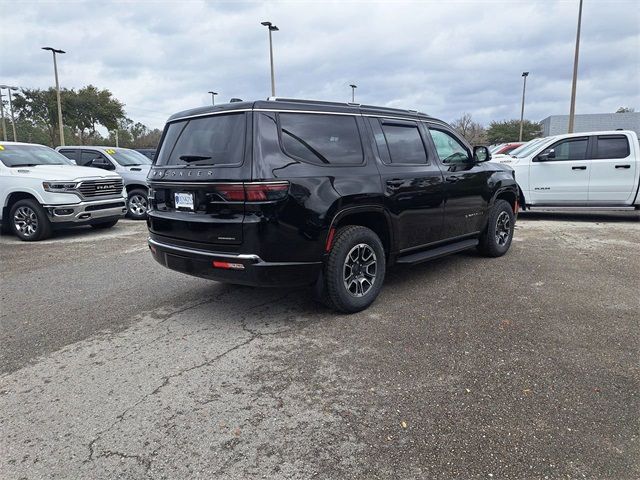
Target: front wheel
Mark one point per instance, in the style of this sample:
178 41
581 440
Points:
137 204
29 221
355 269
496 238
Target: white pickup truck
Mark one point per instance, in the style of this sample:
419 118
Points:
41 189
592 170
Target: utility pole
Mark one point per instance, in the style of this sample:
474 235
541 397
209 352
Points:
524 88
55 70
272 28
213 97
572 110
353 93
4 125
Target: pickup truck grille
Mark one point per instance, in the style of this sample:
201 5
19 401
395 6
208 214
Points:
100 188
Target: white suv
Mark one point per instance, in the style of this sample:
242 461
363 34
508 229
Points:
41 189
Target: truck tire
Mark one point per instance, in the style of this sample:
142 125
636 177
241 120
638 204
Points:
108 224
137 204
29 221
354 272
496 238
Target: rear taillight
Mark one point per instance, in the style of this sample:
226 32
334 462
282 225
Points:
252 192
265 192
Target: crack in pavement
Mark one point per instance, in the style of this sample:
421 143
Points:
254 334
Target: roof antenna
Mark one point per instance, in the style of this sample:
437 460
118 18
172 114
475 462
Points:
234 100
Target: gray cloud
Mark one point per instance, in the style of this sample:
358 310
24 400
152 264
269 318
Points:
444 58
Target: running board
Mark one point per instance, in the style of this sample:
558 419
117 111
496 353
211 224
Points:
574 208
438 252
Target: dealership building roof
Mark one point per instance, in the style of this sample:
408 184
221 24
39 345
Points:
592 122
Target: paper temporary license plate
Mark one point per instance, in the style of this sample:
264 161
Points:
184 200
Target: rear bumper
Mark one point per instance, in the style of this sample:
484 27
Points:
86 212
250 269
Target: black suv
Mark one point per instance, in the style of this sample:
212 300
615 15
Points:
289 192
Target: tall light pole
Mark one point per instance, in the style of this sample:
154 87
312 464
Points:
55 70
524 88
272 28
13 118
213 97
353 93
572 110
4 125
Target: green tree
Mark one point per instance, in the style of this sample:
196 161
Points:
37 110
625 110
82 113
509 130
90 108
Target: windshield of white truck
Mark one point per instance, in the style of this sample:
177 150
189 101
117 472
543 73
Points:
30 156
128 158
527 148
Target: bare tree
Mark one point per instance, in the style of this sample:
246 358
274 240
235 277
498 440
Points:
472 131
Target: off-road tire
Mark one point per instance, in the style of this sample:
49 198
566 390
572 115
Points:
42 224
490 245
334 292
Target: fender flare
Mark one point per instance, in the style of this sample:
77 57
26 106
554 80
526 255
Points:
369 208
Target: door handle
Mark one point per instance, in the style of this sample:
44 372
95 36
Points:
582 167
396 182
452 179
623 166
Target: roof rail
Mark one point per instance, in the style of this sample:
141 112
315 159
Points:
313 102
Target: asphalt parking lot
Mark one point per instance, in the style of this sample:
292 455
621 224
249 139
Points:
526 366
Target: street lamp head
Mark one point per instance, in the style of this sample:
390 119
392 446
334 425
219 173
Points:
270 25
525 74
353 86
213 93
54 50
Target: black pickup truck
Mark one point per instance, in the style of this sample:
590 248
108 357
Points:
287 192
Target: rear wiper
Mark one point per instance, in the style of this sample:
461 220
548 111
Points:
193 158
24 165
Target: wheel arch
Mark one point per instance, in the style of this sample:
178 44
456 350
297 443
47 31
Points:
374 217
11 199
511 194
136 186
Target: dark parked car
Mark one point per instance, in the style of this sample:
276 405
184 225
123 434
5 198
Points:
150 153
292 192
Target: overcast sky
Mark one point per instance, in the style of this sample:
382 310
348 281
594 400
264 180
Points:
441 57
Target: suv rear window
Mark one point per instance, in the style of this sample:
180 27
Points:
404 142
612 147
321 139
215 140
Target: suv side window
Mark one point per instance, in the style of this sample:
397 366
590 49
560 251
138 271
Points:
612 146
88 155
70 154
400 142
321 139
449 149
570 149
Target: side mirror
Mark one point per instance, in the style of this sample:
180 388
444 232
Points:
102 163
481 154
543 157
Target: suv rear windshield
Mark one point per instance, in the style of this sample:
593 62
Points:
215 140
30 155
